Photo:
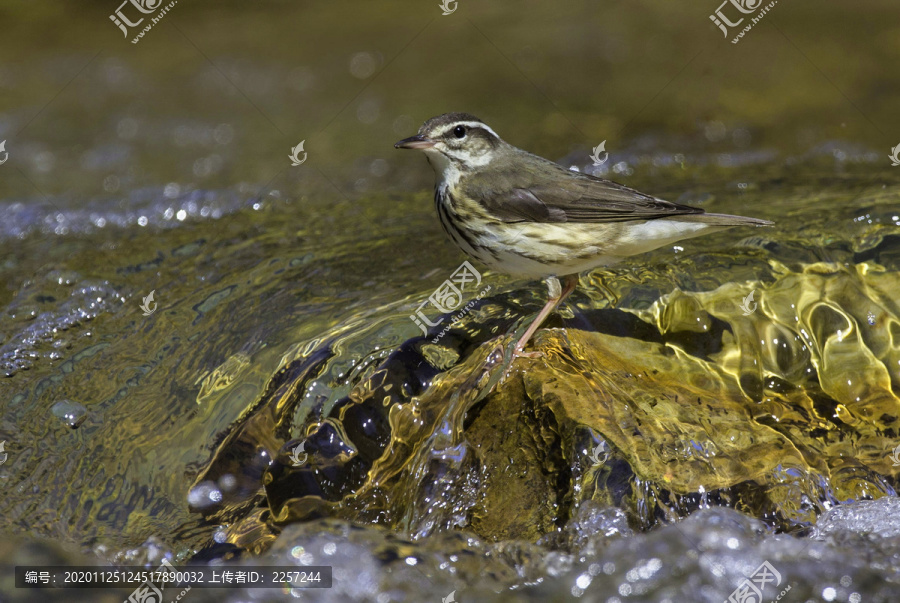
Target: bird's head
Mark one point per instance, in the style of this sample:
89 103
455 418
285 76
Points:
455 142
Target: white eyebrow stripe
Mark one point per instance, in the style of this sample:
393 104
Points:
470 124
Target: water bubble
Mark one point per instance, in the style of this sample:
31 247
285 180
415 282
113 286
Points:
379 167
622 167
871 319
204 495
111 184
171 190
223 133
44 161
363 65
227 482
72 414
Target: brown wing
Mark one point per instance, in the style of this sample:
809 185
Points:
551 193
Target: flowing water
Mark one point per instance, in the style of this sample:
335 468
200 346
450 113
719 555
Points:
696 411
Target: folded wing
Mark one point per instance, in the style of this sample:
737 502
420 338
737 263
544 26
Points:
561 195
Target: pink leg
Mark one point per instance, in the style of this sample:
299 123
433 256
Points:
557 296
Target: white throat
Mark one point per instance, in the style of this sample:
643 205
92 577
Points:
447 170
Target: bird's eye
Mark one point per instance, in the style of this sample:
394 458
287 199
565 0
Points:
459 131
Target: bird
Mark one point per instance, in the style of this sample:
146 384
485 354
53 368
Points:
526 216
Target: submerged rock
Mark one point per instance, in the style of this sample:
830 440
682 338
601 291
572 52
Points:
694 400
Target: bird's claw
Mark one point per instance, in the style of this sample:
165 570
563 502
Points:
498 354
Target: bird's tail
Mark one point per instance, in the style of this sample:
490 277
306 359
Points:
724 220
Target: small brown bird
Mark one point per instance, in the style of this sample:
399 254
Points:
524 215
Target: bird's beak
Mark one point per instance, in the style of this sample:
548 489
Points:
415 142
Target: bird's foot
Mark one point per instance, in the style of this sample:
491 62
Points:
498 354
523 354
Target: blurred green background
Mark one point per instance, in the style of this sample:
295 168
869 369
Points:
218 93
